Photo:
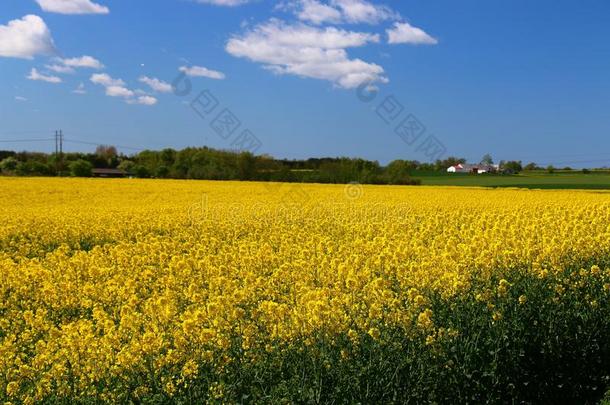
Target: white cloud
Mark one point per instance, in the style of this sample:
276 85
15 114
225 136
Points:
200 71
84 61
227 3
72 7
405 33
35 75
60 68
119 91
361 11
143 100
114 87
26 38
20 98
80 89
105 80
156 84
318 13
306 51
117 88
343 11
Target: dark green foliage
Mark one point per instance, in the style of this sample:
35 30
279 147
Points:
33 168
553 347
81 168
511 167
9 164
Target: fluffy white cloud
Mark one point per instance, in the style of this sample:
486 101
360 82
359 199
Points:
26 38
72 7
143 100
200 71
308 52
105 80
361 11
318 13
405 33
114 87
35 75
66 66
60 68
156 84
117 88
227 3
84 61
119 91
343 11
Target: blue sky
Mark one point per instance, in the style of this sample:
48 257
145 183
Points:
520 80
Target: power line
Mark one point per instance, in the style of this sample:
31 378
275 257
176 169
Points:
45 131
25 140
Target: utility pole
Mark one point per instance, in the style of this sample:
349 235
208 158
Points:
59 151
61 148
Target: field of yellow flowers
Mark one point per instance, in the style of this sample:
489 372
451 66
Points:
155 291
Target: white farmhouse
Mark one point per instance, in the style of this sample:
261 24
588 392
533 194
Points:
475 169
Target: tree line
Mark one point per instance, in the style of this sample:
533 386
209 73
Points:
212 164
207 164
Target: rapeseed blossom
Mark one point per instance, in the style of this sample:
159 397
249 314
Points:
111 286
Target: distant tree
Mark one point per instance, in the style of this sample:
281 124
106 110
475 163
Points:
442 165
33 168
9 165
531 166
567 169
426 167
6 153
81 168
586 171
550 169
246 166
398 172
162 172
141 171
126 166
108 154
487 160
512 166
168 157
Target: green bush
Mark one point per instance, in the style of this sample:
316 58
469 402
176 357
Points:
32 168
81 168
9 165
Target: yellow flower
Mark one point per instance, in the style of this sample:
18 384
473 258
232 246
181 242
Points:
374 333
503 287
12 388
102 278
424 319
189 369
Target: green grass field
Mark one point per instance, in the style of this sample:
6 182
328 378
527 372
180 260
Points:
534 180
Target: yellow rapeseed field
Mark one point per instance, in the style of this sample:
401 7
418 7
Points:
154 290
